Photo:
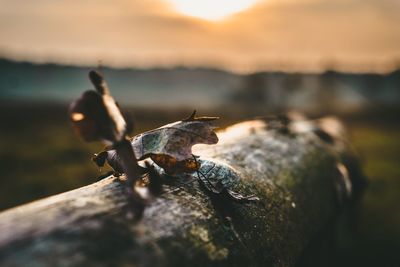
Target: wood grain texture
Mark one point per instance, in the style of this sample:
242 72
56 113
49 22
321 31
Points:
295 175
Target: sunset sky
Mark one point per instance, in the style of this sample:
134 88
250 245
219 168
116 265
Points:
293 35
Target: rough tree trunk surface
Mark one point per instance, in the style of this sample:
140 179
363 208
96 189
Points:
294 175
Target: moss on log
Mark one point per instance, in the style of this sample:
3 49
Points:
295 175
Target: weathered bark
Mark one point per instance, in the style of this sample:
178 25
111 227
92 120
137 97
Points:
295 175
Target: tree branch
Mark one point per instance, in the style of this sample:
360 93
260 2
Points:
295 174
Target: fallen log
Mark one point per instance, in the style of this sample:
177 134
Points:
301 175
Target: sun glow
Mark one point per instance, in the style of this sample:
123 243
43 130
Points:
211 9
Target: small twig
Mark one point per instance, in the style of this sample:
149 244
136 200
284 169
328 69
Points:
129 163
97 117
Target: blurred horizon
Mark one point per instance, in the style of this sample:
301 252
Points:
255 35
206 88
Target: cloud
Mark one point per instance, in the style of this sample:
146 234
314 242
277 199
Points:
272 34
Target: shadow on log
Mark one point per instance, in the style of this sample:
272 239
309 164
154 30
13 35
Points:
301 177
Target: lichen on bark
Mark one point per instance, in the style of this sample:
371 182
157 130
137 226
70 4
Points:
293 175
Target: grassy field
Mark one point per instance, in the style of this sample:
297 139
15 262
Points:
377 235
40 156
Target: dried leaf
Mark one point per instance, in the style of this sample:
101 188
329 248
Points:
218 177
96 116
170 146
176 139
172 166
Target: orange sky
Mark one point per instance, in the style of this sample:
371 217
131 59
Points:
305 35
